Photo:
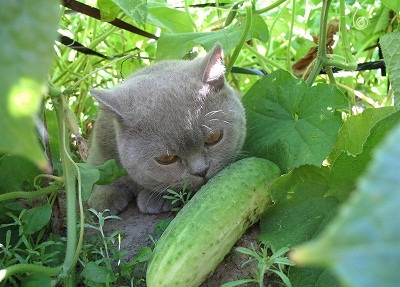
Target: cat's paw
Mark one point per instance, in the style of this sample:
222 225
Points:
105 197
149 202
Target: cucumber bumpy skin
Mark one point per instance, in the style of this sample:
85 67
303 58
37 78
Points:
208 226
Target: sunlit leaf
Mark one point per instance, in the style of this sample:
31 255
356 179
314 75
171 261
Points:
28 29
175 46
108 10
290 123
165 17
136 9
356 130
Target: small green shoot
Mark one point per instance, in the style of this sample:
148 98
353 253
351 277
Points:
102 260
267 264
179 199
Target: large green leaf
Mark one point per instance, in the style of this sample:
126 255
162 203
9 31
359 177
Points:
362 244
290 123
135 9
27 31
301 209
394 5
356 130
175 46
391 55
347 168
300 212
307 198
165 17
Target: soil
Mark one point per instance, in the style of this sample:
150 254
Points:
137 227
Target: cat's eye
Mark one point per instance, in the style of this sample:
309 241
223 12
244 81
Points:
214 138
167 159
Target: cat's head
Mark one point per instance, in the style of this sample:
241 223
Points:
176 120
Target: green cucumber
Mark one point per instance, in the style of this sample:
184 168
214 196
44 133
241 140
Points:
208 226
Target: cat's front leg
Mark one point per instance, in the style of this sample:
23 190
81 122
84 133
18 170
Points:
114 197
153 203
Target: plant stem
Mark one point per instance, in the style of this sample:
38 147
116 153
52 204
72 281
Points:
81 213
29 194
288 57
321 57
20 268
265 59
243 37
270 7
190 15
69 180
352 65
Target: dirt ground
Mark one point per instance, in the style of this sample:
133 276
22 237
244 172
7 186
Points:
138 226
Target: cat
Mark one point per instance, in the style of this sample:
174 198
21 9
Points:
172 121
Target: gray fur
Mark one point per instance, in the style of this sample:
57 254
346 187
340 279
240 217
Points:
169 107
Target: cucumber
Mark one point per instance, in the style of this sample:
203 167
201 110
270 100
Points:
208 226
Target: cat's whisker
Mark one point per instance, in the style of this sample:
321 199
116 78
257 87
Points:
157 193
228 123
224 121
207 127
213 113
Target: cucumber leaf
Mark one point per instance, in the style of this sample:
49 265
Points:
175 46
362 244
290 123
301 209
356 129
346 169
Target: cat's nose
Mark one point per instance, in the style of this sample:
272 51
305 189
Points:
201 173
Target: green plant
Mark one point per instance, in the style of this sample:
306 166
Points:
103 262
268 261
179 199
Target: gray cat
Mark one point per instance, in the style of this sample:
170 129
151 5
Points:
173 121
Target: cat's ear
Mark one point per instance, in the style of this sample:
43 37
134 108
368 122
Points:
215 68
106 98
